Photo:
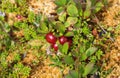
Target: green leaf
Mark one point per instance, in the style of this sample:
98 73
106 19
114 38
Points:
74 74
60 27
60 9
105 2
94 70
65 48
60 48
81 68
87 12
68 60
91 51
43 26
110 29
60 2
67 24
80 12
72 10
72 20
83 57
69 33
98 6
68 76
78 24
62 17
88 69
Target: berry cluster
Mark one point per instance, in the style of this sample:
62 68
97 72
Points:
62 39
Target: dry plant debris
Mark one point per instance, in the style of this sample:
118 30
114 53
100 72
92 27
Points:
46 7
47 71
113 59
111 17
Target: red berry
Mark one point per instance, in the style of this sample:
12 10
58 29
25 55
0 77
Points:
62 39
55 46
51 38
19 16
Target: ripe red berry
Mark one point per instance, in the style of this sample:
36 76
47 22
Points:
19 16
55 46
51 38
62 39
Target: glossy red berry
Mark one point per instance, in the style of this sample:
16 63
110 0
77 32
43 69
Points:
55 46
51 38
62 39
19 16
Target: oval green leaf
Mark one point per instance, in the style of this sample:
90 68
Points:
72 10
